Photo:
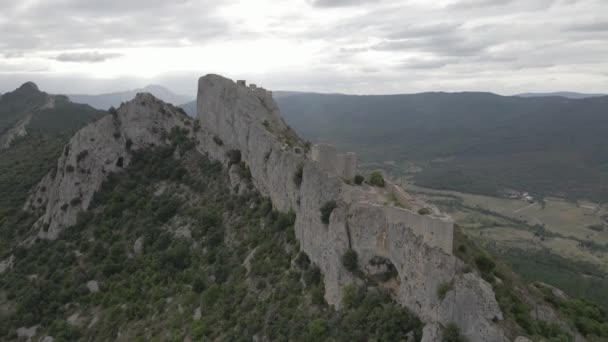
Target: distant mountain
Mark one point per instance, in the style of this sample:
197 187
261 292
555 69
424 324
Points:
472 142
105 101
189 108
29 110
566 94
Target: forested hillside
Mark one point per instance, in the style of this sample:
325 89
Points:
471 142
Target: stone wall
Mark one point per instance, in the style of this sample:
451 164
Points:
342 164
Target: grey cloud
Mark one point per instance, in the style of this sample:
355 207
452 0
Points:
341 3
598 26
448 45
470 4
412 31
418 63
87 57
76 24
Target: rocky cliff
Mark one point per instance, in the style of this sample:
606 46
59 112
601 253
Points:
96 151
236 117
398 249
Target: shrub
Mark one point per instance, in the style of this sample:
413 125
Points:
297 177
359 179
376 179
312 277
69 168
81 155
452 334
234 157
424 211
303 261
326 210
217 140
349 260
443 289
485 264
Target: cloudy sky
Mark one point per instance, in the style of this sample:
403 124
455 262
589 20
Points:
349 46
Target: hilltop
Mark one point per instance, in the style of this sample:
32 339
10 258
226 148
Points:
156 225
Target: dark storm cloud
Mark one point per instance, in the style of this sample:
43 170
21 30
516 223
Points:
86 57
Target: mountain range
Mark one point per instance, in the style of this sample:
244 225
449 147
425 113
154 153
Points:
142 223
472 142
105 101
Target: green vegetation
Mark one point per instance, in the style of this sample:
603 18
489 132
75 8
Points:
443 289
359 179
424 211
470 142
588 318
326 210
240 264
376 179
349 260
538 252
21 168
451 333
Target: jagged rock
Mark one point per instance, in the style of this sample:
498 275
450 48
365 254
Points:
7 264
197 314
27 332
95 151
138 246
93 286
544 313
431 333
234 117
522 339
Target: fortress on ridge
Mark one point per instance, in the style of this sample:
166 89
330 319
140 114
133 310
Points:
382 225
405 250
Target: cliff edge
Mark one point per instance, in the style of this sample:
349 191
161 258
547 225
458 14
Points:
398 249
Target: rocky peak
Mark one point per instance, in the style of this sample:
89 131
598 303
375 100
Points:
28 87
95 151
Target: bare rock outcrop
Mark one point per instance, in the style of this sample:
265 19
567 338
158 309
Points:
94 152
419 248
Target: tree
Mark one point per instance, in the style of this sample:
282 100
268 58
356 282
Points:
326 210
359 179
349 260
376 179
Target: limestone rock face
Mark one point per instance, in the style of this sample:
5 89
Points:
93 153
418 248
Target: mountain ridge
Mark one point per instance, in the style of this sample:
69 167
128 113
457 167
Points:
357 242
114 99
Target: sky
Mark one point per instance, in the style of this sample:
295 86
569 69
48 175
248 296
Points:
346 46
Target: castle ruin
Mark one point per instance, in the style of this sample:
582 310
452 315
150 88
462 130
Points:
341 164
